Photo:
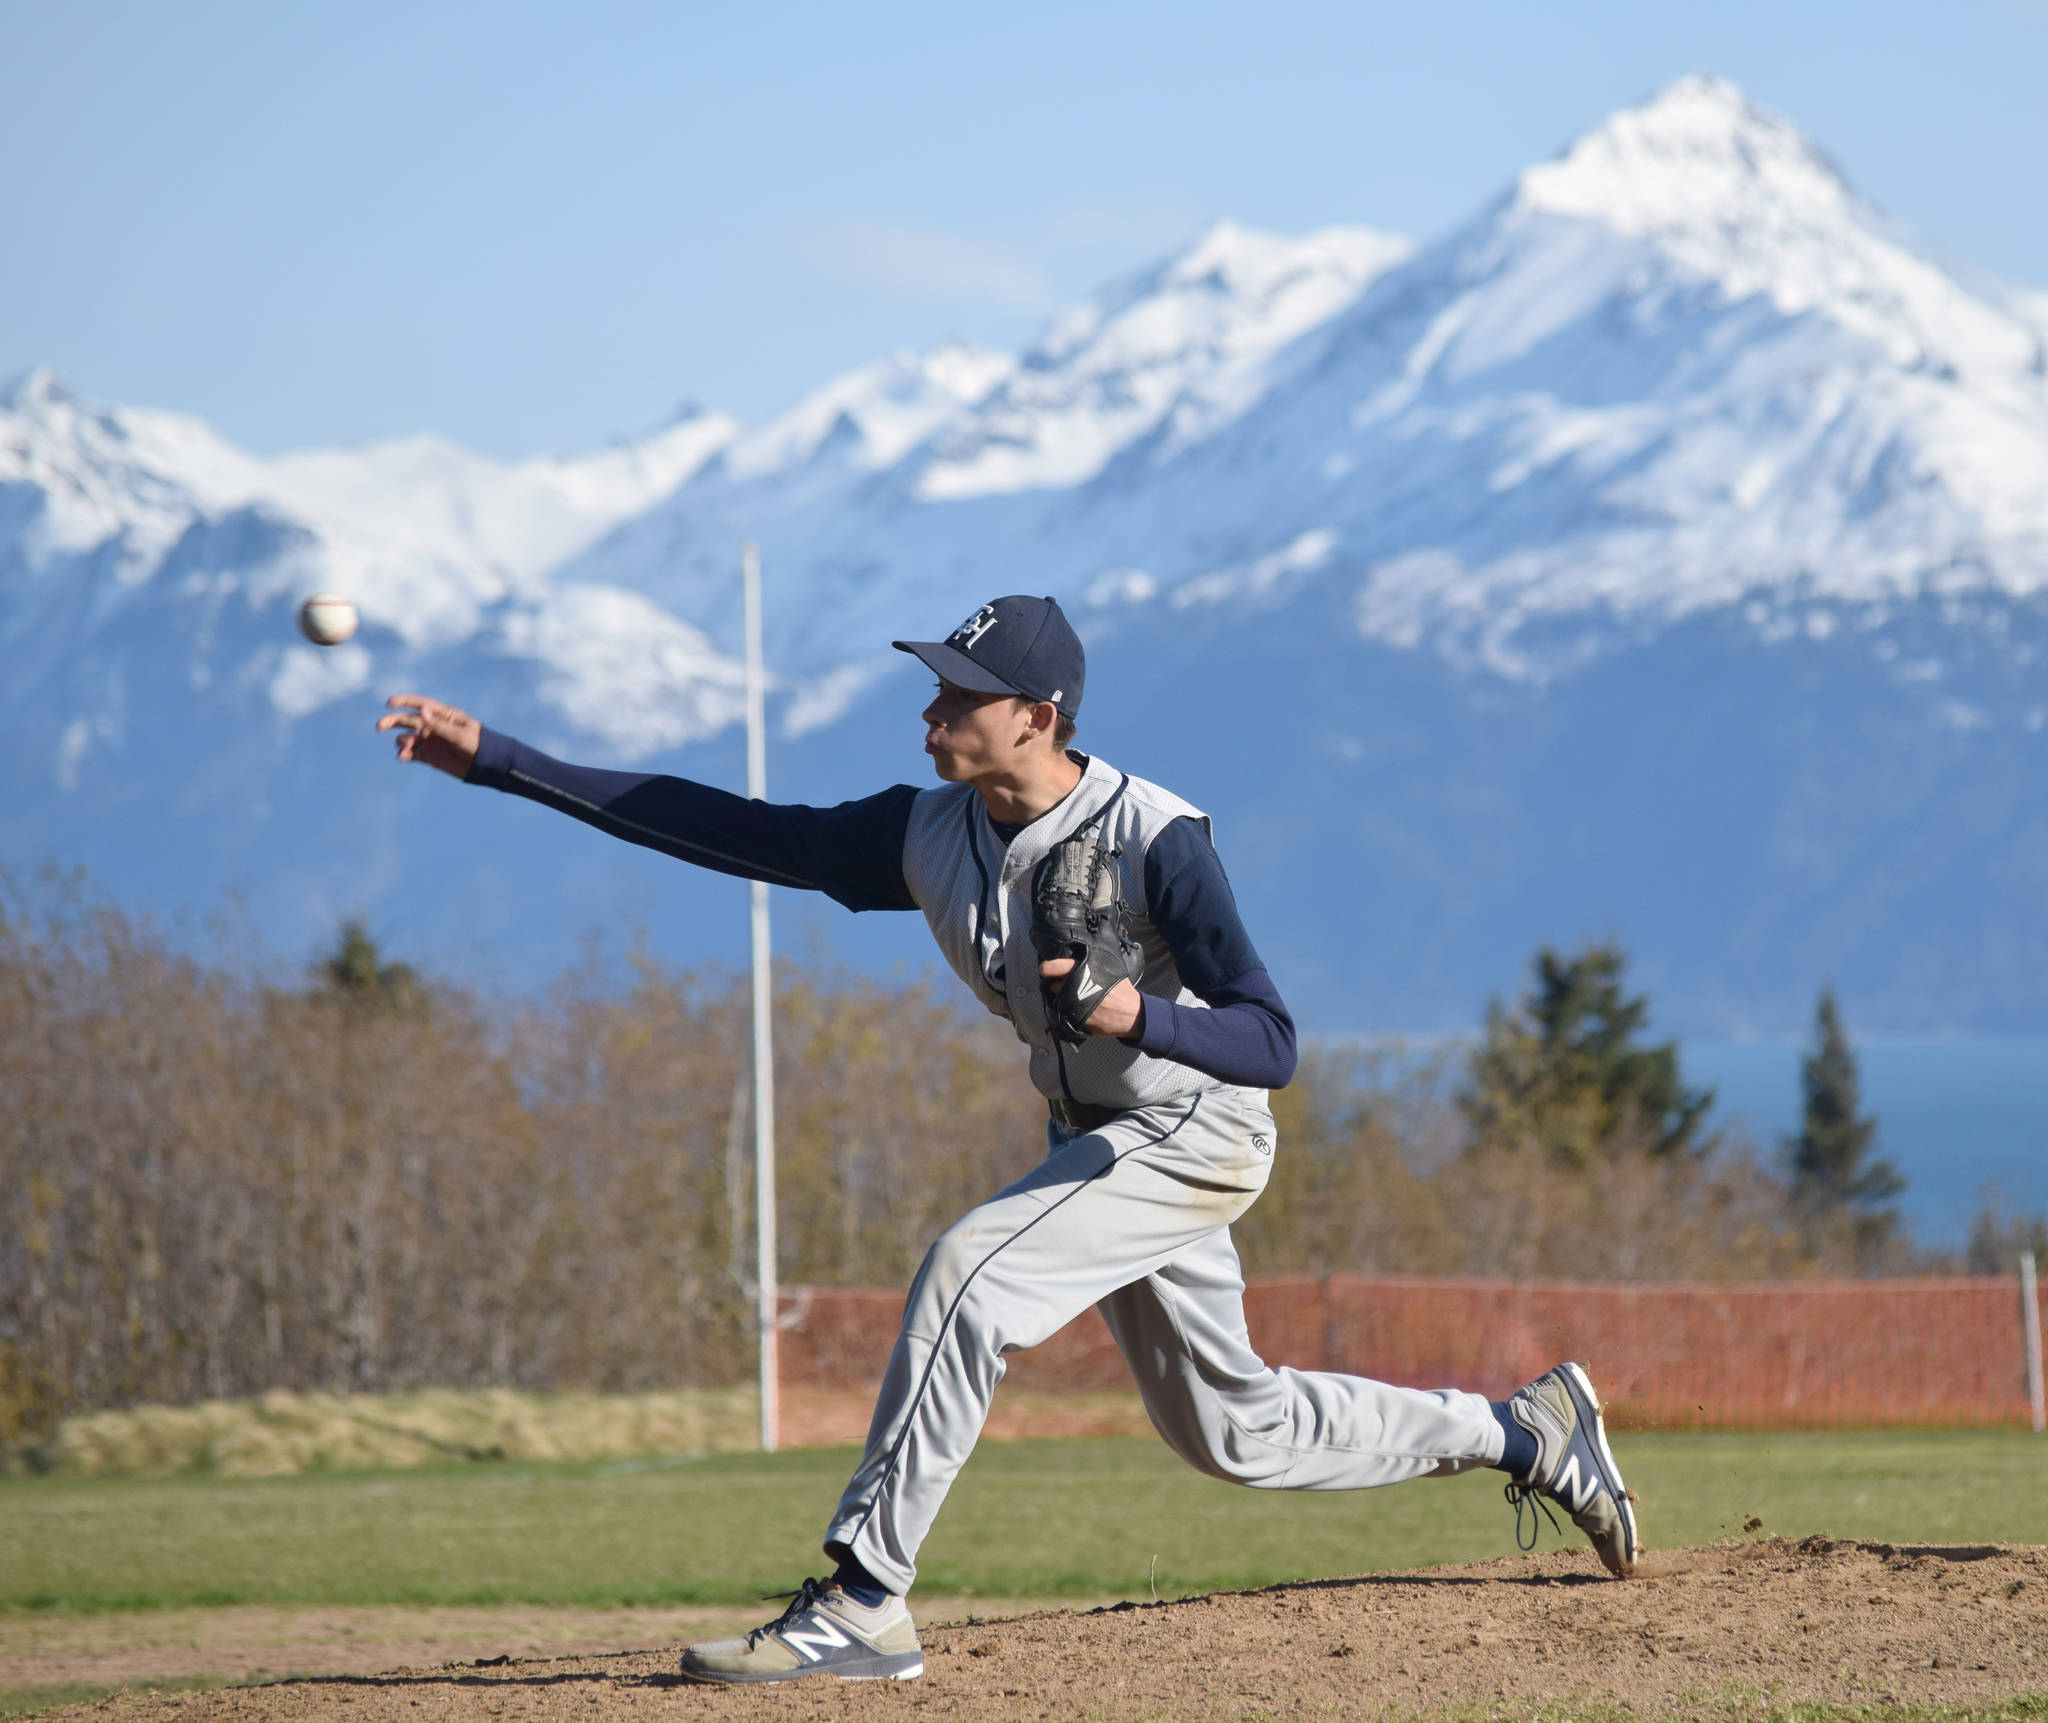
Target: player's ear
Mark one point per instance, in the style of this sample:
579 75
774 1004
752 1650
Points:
1040 718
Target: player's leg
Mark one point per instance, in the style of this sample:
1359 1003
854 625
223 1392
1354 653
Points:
1103 1208
1225 1411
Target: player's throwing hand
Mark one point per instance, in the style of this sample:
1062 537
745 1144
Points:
433 734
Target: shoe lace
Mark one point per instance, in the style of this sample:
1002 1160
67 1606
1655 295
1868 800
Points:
799 1600
1526 1499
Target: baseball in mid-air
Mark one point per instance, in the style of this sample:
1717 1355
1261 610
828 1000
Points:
327 619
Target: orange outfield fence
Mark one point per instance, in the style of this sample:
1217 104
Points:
1783 1355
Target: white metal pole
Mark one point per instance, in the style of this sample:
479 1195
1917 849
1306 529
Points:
2030 1318
766 1290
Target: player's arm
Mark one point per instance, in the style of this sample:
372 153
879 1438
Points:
1247 1035
853 853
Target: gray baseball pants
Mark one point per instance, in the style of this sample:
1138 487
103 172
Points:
1135 1219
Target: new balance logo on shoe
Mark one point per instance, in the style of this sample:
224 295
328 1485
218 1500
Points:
1573 1487
813 1640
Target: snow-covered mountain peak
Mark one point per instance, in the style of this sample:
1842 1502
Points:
1698 154
416 528
1722 191
131 477
1680 364
133 523
1228 262
511 522
874 414
1177 351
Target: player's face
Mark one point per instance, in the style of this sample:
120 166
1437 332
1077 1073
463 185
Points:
970 736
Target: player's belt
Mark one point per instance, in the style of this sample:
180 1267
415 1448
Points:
1083 1115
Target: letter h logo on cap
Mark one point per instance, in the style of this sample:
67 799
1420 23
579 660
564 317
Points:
964 637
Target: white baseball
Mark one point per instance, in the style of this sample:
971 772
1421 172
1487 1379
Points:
327 619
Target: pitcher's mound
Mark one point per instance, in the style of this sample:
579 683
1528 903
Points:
1747 1625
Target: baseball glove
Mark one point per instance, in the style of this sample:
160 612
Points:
1077 911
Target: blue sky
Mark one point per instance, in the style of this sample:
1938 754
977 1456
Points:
537 227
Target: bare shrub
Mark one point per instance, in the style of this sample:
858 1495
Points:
1382 1170
1351 1188
213 1185
895 1115
1632 1213
209 1187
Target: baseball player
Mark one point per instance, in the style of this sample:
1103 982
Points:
1089 909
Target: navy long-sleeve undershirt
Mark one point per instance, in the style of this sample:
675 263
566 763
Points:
1246 1036
853 853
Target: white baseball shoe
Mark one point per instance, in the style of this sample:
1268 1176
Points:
822 1632
1574 1467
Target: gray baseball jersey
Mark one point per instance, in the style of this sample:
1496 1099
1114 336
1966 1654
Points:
1133 1217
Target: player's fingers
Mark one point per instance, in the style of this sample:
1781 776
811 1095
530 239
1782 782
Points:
418 702
1056 968
435 719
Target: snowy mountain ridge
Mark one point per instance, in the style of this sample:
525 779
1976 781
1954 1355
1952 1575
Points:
1740 196
1676 414
1683 365
1176 353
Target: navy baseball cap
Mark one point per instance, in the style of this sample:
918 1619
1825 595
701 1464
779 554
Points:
1014 645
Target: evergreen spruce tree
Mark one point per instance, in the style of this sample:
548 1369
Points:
1566 1068
356 970
1836 1183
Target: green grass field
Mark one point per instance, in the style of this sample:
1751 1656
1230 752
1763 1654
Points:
1027 1519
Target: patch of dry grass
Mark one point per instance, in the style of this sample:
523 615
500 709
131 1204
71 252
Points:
279 1434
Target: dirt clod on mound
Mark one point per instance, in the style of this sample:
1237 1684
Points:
1766 1621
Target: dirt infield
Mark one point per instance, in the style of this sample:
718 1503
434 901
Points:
1701 1631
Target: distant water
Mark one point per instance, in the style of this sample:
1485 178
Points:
1956 1117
